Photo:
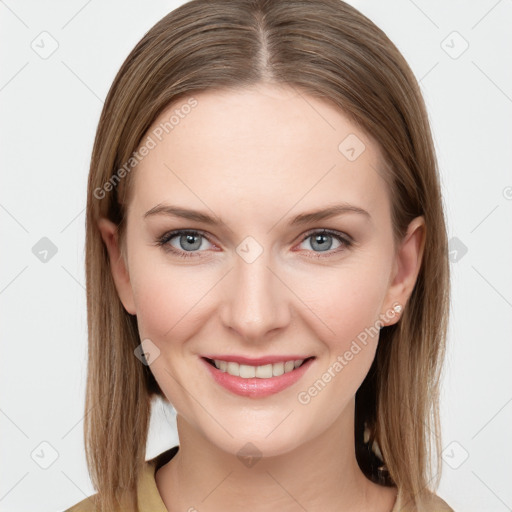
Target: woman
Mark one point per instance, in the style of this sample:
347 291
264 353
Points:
266 250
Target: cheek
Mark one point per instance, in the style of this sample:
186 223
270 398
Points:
348 311
344 301
170 312
170 298
167 302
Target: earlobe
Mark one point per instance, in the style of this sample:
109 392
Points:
406 267
118 266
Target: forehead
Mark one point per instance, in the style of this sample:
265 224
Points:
259 146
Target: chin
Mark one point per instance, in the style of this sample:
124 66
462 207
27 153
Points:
248 448
262 438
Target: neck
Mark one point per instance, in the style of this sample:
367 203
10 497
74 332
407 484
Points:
320 474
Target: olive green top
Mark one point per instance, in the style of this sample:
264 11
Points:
149 499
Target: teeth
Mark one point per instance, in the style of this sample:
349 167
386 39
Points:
265 371
277 369
247 372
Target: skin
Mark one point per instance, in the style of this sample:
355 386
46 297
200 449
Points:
256 158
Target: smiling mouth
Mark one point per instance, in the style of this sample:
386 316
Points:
265 371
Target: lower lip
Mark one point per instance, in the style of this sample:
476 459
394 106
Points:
256 387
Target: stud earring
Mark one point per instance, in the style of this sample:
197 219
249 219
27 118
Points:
397 309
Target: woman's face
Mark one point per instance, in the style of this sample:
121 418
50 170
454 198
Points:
261 283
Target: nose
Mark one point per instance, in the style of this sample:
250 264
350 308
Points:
256 303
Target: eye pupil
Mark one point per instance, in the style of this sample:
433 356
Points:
321 240
189 241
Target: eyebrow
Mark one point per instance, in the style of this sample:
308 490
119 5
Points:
301 219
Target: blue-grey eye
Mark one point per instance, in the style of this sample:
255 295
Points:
189 241
321 242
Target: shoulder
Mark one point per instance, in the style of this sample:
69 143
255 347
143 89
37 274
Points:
148 496
86 505
431 503
437 504
89 504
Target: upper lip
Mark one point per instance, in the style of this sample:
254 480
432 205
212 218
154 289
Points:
258 361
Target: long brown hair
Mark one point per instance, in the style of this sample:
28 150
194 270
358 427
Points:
327 49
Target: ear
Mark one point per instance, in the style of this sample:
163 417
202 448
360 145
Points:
118 266
406 267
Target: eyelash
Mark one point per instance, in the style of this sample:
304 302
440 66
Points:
163 240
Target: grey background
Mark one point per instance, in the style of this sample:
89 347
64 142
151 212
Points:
58 60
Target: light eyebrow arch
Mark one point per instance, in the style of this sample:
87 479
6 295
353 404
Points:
301 219
327 213
184 213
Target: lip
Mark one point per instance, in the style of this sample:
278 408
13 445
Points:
256 387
